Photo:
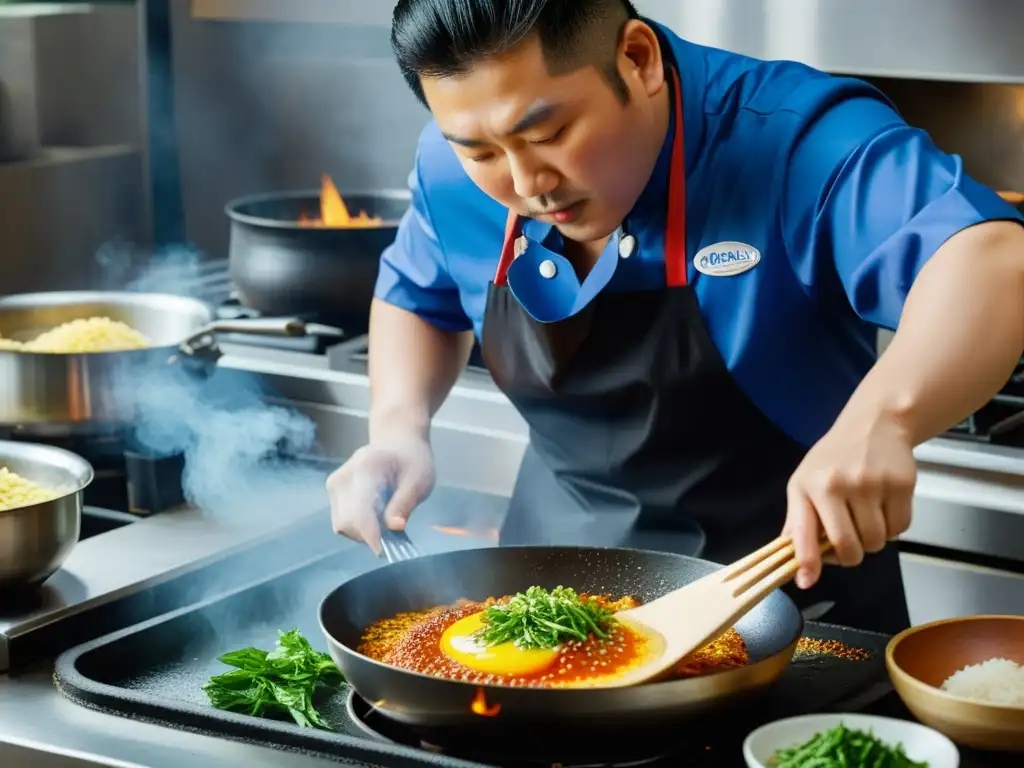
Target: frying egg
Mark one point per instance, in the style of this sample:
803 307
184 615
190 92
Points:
459 643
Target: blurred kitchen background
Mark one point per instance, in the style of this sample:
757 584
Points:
132 124
126 127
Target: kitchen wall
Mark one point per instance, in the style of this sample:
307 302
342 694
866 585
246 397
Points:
269 106
71 166
982 123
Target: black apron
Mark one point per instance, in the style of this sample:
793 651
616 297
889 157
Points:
640 437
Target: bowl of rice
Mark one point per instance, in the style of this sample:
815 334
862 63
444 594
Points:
964 677
41 489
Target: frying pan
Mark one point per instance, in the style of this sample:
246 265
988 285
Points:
771 632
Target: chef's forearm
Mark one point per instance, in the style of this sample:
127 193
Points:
413 366
960 335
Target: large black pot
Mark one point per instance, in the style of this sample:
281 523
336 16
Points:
281 267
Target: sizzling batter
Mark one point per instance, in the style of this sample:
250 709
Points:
444 642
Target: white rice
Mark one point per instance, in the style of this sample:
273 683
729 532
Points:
995 681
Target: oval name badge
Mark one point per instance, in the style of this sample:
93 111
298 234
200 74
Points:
726 259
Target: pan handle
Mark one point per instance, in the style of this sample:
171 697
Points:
205 337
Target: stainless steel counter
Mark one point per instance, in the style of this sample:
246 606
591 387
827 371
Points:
478 440
38 727
285 527
31 710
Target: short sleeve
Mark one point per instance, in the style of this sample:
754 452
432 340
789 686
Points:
414 272
868 200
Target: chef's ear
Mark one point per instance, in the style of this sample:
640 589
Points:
640 53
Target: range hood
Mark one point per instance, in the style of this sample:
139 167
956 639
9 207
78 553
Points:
957 40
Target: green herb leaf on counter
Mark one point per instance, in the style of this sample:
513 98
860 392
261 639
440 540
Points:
274 682
538 618
843 747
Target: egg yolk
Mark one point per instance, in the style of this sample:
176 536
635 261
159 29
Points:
459 643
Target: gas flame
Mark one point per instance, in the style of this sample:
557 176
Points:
480 706
334 213
491 534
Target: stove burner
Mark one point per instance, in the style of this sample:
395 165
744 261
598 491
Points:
1000 421
534 747
233 309
361 354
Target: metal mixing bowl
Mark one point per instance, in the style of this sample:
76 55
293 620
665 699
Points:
36 540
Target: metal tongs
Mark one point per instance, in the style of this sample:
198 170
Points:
396 545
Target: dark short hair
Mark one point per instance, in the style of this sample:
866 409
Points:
439 38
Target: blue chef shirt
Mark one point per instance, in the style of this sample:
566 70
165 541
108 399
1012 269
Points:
844 201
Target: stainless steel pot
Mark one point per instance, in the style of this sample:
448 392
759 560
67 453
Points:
62 392
37 539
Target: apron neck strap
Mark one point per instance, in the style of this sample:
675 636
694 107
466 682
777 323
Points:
513 229
675 221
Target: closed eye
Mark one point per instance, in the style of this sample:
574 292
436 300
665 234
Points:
552 138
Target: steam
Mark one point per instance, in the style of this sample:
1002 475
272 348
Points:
175 269
178 269
238 449
235 444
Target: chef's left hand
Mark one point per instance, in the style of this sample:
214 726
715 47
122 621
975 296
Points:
856 484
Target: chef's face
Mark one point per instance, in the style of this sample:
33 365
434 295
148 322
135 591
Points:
565 148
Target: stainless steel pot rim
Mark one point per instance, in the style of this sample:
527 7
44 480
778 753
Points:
131 298
108 353
51 456
231 209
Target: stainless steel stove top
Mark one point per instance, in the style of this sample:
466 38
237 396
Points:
999 423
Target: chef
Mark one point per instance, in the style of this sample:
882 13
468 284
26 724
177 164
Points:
675 260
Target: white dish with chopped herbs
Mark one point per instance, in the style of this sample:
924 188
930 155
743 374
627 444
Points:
848 741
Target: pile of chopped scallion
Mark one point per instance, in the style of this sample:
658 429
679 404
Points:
538 618
843 747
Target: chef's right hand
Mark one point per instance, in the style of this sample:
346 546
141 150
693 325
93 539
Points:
402 468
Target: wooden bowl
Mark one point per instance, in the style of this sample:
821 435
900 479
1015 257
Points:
921 658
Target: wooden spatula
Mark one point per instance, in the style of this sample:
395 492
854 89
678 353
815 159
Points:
686 620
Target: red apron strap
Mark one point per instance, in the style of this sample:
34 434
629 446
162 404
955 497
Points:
508 248
675 220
